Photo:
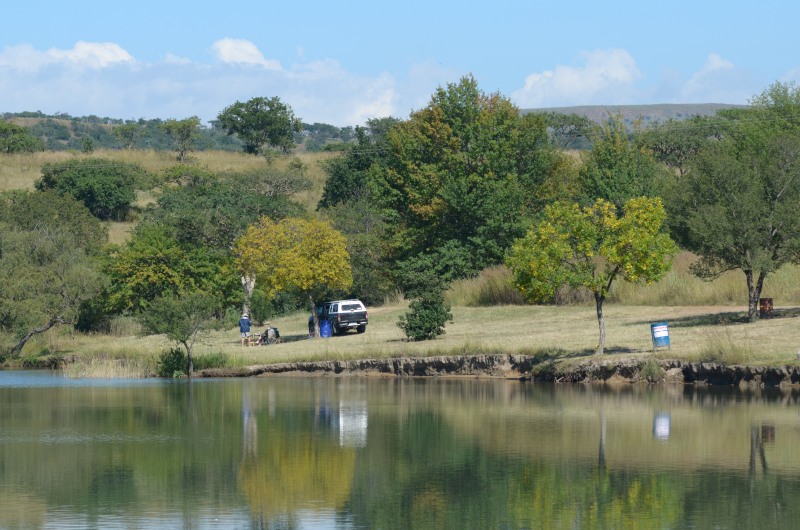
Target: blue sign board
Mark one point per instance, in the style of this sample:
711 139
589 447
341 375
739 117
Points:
660 333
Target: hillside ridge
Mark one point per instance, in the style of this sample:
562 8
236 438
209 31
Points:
647 113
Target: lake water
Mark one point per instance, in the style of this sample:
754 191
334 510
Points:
393 453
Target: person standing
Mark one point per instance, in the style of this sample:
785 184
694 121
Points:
244 328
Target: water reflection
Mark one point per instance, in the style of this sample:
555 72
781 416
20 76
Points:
393 453
661 423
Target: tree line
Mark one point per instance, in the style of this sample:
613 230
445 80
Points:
63 132
464 183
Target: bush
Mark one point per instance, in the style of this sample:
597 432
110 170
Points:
17 139
105 187
93 317
172 363
650 371
426 317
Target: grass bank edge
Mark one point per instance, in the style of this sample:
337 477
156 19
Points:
555 334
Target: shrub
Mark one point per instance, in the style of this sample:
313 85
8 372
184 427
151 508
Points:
172 363
650 371
105 187
93 317
426 317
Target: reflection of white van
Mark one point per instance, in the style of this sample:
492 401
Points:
353 424
343 315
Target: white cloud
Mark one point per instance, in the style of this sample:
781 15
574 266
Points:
175 87
718 81
239 51
83 55
175 59
606 77
92 54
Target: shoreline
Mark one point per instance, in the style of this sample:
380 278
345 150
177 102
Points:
532 368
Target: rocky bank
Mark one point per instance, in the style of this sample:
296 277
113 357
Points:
522 367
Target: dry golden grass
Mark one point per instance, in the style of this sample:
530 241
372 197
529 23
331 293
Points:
678 288
705 333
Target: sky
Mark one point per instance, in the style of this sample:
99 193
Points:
343 63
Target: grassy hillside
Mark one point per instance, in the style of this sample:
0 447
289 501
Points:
21 171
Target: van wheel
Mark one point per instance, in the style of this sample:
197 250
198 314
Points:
362 328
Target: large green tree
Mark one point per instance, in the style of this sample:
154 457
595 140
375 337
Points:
155 264
458 176
367 243
738 206
618 167
347 174
570 131
215 211
46 268
591 247
261 122
17 139
676 143
106 187
348 203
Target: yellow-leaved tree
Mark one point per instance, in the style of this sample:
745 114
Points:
295 255
590 247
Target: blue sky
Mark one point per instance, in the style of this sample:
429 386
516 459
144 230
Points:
345 62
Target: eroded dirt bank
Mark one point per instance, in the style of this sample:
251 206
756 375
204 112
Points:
533 368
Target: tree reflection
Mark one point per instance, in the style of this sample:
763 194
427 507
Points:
290 468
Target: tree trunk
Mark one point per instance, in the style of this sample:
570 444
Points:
248 284
189 363
314 316
21 344
601 342
753 294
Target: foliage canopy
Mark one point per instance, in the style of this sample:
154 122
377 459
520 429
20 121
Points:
737 207
105 187
459 175
16 139
46 270
296 255
259 122
589 248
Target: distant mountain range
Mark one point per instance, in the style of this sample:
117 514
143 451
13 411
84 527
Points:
645 113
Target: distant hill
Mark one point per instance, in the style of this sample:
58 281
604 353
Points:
646 113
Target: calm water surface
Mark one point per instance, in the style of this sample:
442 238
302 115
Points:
392 453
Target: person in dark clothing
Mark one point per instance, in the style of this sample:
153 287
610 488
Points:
244 329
